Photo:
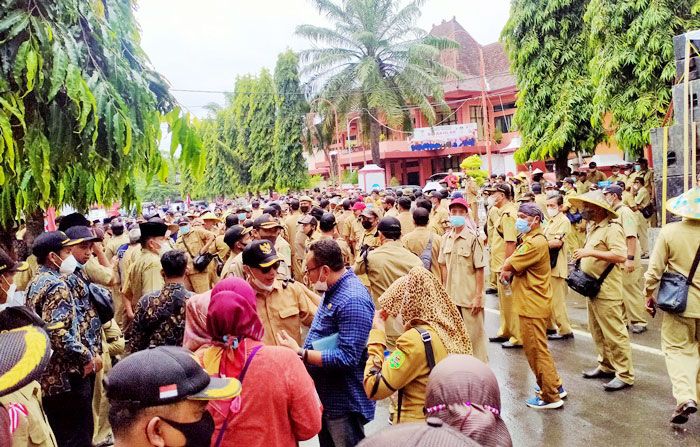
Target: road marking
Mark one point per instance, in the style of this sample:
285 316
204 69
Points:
580 333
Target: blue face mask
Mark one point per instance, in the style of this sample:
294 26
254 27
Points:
241 217
637 168
184 229
458 221
522 226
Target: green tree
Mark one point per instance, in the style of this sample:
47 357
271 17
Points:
375 61
290 167
80 108
241 123
547 44
262 130
633 64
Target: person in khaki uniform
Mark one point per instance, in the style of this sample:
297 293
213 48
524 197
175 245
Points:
328 227
112 346
617 176
472 191
594 175
237 238
529 270
605 245
676 249
195 242
282 305
502 246
582 183
641 200
405 217
144 274
462 265
389 207
633 298
269 228
557 229
119 238
540 199
417 242
431 323
368 236
493 214
438 214
386 263
23 278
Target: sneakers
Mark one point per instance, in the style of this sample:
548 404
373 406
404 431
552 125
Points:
638 329
562 392
539 404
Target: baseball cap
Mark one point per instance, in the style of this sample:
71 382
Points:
459 202
163 375
260 253
359 206
307 219
431 433
502 187
305 199
327 222
437 194
24 355
266 221
80 234
389 225
613 189
49 242
235 234
369 212
7 265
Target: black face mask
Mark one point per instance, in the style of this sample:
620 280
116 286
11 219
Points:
304 209
586 215
366 224
196 433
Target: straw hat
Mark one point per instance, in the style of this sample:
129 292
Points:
209 216
686 205
592 198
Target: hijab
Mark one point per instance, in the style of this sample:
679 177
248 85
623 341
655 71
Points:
420 298
464 393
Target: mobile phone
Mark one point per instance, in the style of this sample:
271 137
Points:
651 304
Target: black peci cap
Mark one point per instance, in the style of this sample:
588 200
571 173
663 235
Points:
266 221
164 375
260 253
72 220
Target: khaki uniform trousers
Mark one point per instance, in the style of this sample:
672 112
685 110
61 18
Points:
100 404
560 316
493 280
612 341
680 343
476 331
633 297
534 333
509 319
643 233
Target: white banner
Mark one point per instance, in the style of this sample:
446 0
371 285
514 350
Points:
442 134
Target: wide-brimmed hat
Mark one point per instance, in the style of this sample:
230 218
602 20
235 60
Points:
596 198
24 354
686 205
210 216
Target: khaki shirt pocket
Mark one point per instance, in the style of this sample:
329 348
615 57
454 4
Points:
289 312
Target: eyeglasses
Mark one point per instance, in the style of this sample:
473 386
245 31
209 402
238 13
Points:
267 269
307 270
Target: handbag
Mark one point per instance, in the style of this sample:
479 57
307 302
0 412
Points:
585 284
102 301
673 290
202 261
648 210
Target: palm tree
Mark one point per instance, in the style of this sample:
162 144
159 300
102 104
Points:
375 61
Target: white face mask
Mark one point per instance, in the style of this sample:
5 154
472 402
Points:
68 265
256 283
491 201
14 298
320 286
551 212
164 248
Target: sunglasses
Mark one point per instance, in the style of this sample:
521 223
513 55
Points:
267 269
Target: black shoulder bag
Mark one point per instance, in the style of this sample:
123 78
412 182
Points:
673 290
430 359
200 262
585 284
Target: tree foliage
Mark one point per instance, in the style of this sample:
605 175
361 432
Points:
633 64
80 107
262 129
547 43
374 60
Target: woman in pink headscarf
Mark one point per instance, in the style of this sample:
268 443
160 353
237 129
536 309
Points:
278 405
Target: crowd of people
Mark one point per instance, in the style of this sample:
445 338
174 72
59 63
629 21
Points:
266 321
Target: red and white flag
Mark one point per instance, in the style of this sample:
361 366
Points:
168 391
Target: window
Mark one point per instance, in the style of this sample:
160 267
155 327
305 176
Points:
503 107
503 123
476 115
445 118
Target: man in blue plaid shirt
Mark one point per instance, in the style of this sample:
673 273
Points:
335 350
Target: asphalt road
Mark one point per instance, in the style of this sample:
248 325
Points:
637 416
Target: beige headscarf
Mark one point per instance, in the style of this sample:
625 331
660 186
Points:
419 297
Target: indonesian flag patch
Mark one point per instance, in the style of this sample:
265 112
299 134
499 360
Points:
168 391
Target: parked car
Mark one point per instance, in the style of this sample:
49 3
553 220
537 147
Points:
436 182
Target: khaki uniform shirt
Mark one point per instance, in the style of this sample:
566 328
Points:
385 264
532 289
630 227
567 195
492 216
405 369
503 231
289 306
284 251
417 240
462 254
583 187
22 279
674 251
344 248
472 191
98 273
437 217
642 199
594 177
541 202
391 212
406 220
648 177
367 237
605 236
113 245
628 199
33 429
143 276
233 267
618 178
192 243
341 218
220 248
558 228
292 223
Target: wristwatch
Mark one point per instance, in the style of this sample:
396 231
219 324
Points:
630 257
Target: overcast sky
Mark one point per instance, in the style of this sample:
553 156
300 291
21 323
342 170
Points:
205 44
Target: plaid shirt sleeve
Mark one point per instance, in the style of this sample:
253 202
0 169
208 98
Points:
355 322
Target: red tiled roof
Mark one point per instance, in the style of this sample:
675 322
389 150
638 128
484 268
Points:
466 59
